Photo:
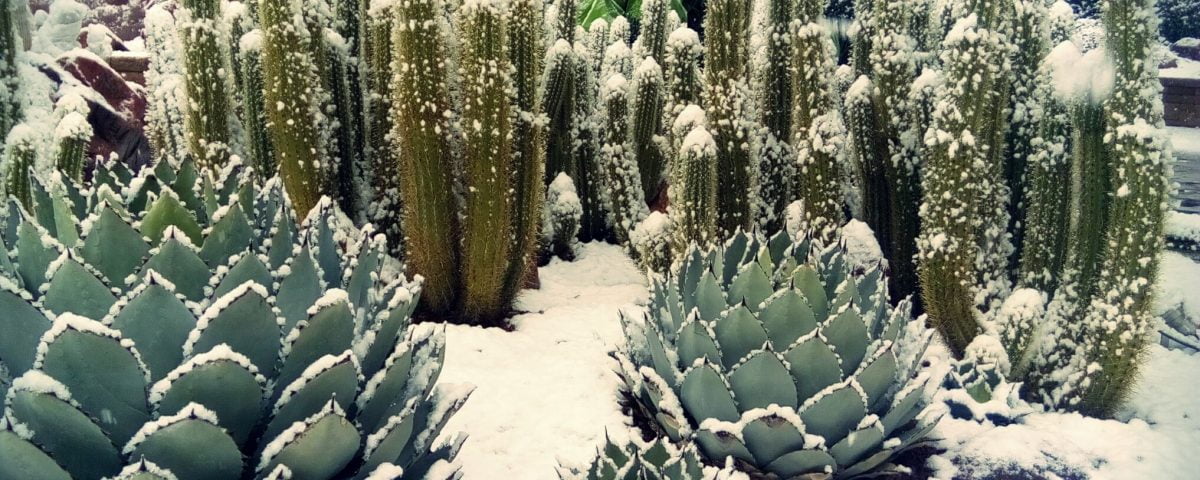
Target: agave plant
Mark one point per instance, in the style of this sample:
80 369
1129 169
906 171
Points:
637 461
192 329
777 354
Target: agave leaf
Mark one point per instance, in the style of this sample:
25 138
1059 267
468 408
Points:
814 366
858 444
22 325
14 216
722 445
113 247
244 320
787 317
20 459
230 235
283 238
710 300
770 437
145 191
335 377
167 211
221 383
905 408
800 462
695 343
387 329
778 245
751 287
834 414
384 394
74 197
847 334
299 289
185 186
189 444
762 381
65 433
390 440
694 268
360 282
179 264
876 378
738 334
808 282
65 222
704 395
43 209
663 366
318 448
328 331
266 204
34 253
244 268
158 323
325 248
74 289
847 294
736 250
105 376
429 419
870 463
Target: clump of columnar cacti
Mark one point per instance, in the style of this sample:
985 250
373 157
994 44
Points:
645 124
207 81
773 82
561 218
618 164
774 353
166 94
171 327
727 100
962 180
657 460
10 44
461 164
817 130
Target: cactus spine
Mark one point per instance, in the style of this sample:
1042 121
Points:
817 130
959 180
422 131
206 69
259 149
616 159
72 134
694 192
1029 36
773 84
1047 215
289 78
726 26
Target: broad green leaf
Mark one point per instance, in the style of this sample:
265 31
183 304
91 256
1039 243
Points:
795 464
330 377
20 459
770 437
787 317
329 331
299 289
35 251
179 264
230 235
858 443
704 395
191 447
244 320
113 247
762 381
246 268
22 325
220 383
73 289
847 334
67 434
738 334
814 366
722 445
320 450
835 414
165 212
158 322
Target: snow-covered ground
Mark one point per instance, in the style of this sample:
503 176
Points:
546 392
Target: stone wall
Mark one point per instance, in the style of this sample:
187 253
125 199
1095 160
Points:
1181 101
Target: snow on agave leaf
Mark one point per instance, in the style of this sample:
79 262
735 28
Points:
785 360
161 334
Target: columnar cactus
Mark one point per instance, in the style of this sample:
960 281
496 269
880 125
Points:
588 134
20 153
290 83
10 44
646 110
385 208
72 136
1028 35
694 192
817 130
166 95
776 354
207 80
727 97
773 81
625 201
260 151
960 179
683 76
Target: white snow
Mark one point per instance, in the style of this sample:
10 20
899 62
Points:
547 390
862 249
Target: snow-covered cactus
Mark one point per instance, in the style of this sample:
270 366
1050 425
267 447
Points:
775 353
207 77
658 460
10 44
559 87
963 218
526 50
727 98
645 123
617 162
166 95
290 85
384 209
72 136
259 150
656 22
20 154
652 241
694 192
420 100
818 134
561 219
588 137
173 327
1028 35
773 82
683 76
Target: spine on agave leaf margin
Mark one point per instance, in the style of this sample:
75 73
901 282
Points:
817 130
289 80
616 158
727 26
487 135
259 149
1120 320
207 70
773 82
526 40
423 136
959 183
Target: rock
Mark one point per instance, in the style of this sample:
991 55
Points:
117 112
1187 47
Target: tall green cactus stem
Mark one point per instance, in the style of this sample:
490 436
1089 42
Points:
72 135
959 178
1092 186
259 149
862 30
872 155
616 159
10 44
526 51
422 132
587 132
345 105
727 27
206 80
817 130
560 97
166 95
385 208
1122 320
21 155
773 83
694 192
654 29
1028 36
289 81
1047 197
918 116
237 21
487 135
684 79
645 122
